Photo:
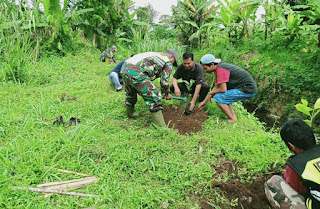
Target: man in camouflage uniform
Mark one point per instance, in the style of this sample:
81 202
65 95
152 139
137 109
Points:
139 71
281 195
109 55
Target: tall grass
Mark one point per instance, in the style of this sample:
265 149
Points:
148 44
17 52
15 41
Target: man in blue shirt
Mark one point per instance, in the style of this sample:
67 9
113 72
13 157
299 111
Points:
115 76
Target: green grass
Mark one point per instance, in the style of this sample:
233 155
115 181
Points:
138 166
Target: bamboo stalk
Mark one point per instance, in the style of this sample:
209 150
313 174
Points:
72 184
55 191
66 171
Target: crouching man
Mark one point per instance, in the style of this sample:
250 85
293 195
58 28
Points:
299 188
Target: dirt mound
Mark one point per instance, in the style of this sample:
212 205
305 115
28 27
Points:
249 195
173 115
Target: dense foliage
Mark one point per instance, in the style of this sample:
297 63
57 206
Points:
48 49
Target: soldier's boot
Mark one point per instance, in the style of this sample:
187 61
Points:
130 111
157 118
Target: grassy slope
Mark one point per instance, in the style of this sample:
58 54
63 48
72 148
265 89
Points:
138 166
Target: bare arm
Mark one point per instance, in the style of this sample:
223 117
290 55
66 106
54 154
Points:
176 88
195 96
218 88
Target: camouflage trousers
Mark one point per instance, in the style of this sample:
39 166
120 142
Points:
281 195
136 82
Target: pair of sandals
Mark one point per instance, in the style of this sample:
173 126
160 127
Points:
72 121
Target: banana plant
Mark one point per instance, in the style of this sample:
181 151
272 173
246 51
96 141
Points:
247 10
273 12
204 30
228 18
312 13
190 17
55 16
290 24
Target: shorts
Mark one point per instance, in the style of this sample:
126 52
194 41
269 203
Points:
231 96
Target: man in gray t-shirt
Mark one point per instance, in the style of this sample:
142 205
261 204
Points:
232 84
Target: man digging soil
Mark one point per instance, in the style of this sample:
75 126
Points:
187 71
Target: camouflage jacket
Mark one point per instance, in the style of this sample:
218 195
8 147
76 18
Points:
155 65
108 54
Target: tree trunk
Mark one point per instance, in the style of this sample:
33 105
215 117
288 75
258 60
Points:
94 39
247 32
95 34
265 31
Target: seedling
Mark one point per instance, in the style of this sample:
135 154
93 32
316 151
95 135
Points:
187 110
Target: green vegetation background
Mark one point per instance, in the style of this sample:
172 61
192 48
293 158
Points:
138 165
44 55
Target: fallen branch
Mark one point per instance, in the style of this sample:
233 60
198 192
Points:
55 191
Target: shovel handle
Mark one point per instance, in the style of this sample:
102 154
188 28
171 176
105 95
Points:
179 98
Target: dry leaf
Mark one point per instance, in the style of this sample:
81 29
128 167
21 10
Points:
165 204
200 150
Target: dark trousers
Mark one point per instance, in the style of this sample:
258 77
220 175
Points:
184 90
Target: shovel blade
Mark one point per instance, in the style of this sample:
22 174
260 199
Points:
187 111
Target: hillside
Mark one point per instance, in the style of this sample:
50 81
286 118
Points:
138 165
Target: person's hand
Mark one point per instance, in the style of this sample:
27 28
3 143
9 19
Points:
211 96
202 104
192 104
169 97
177 92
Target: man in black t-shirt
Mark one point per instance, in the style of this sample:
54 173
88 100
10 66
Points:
187 71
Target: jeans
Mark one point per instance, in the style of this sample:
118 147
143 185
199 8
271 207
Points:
114 78
231 96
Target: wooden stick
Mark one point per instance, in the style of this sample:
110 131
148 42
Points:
55 191
66 171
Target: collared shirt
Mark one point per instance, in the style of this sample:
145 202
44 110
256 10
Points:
292 178
196 73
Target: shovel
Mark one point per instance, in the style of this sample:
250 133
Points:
180 98
187 111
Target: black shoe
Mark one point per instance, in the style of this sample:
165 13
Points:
58 121
74 121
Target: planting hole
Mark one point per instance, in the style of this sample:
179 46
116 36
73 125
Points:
173 115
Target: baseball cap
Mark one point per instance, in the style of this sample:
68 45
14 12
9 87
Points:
114 47
175 55
209 58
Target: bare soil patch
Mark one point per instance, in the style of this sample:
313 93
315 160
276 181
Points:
249 195
173 115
